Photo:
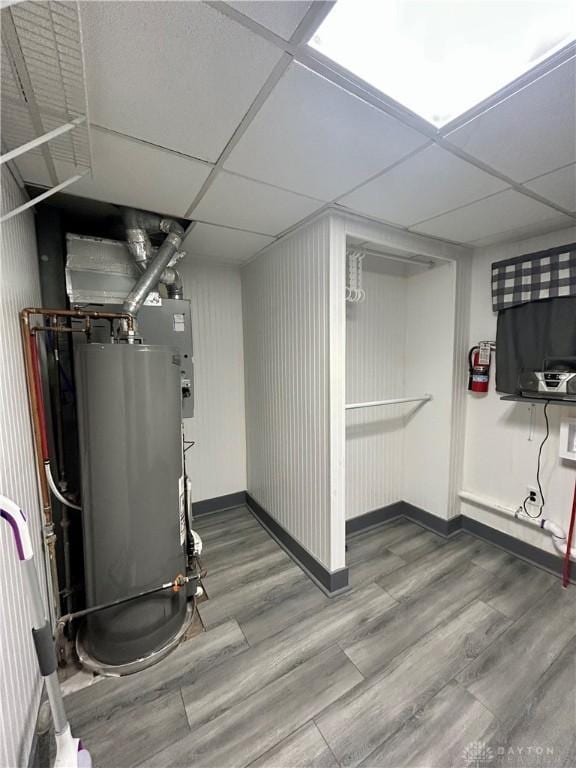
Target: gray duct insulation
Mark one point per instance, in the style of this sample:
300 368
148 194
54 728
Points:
138 225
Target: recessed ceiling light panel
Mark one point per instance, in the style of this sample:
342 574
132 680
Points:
440 58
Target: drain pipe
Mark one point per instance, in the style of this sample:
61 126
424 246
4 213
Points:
154 271
138 224
559 538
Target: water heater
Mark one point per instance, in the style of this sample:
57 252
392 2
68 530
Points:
129 418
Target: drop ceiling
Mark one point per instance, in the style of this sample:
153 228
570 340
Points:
236 124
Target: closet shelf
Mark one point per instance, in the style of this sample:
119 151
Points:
391 401
551 400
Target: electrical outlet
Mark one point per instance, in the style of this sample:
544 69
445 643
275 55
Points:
533 495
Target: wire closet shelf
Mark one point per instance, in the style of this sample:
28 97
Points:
44 126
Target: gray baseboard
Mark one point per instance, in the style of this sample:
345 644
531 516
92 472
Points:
447 528
374 517
337 581
433 522
530 553
407 510
218 503
331 582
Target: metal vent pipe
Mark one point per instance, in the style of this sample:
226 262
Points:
151 277
138 224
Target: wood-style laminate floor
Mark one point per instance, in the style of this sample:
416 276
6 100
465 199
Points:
443 654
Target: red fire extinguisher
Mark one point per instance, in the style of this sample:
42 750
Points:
479 359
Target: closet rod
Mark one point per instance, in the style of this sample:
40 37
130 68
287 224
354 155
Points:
392 401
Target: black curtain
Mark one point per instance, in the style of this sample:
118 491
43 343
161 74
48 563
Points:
529 333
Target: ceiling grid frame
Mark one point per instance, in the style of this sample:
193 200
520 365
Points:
321 65
313 17
296 50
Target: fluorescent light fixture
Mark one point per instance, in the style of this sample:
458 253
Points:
439 58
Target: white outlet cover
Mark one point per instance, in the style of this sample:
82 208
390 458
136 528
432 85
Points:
568 439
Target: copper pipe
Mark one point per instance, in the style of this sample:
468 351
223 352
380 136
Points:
49 536
80 313
34 415
55 329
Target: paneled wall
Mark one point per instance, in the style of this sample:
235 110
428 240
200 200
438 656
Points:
430 327
502 439
217 461
20 683
286 300
375 362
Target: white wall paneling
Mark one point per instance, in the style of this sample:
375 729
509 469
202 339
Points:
395 241
337 389
375 362
400 343
501 449
430 321
463 277
286 299
217 461
20 683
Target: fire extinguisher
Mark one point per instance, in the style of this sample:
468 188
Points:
479 359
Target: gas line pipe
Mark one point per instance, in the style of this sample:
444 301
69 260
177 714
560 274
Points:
37 417
176 585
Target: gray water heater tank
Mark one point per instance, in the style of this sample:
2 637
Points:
129 414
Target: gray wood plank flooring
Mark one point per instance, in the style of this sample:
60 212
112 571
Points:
440 648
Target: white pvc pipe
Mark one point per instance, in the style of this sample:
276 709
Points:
392 401
559 538
54 488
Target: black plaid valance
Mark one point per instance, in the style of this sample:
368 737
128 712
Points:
543 275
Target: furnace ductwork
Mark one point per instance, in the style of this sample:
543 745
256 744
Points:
138 226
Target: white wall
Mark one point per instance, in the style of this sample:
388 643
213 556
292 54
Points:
20 683
217 462
286 300
375 362
430 319
500 458
400 343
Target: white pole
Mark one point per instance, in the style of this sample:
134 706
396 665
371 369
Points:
391 401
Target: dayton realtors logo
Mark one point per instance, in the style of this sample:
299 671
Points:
480 755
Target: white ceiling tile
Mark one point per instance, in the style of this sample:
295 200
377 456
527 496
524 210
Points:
558 186
499 213
558 221
222 244
531 133
178 74
127 172
239 202
315 138
280 16
425 185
